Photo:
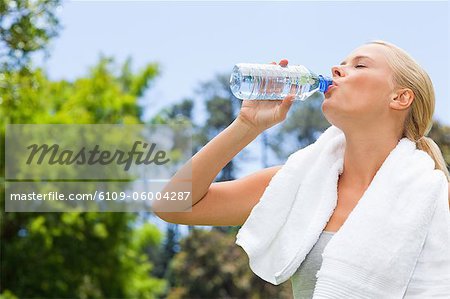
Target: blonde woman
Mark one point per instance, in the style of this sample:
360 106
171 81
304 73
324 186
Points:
381 95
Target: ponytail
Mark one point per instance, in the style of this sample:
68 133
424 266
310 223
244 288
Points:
431 148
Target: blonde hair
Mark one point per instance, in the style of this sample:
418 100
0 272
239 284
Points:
407 73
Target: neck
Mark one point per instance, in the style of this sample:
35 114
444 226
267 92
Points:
364 154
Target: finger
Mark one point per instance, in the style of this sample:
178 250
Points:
286 104
283 62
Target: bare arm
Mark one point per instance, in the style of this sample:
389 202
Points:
206 164
222 203
225 203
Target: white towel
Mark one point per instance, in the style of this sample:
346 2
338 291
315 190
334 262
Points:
394 244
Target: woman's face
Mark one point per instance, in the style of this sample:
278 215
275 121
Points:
364 89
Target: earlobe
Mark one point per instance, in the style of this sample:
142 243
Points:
394 104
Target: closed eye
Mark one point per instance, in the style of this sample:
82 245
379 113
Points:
360 65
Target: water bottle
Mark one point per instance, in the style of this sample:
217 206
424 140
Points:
252 81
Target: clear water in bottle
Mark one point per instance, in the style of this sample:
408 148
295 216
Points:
272 82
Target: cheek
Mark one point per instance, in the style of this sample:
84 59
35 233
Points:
364 98
366 94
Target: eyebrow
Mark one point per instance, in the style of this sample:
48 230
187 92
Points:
357 57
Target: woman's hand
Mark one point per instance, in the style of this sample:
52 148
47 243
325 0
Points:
263 114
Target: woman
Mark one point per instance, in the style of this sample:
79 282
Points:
380 96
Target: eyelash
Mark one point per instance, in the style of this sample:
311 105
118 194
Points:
360 65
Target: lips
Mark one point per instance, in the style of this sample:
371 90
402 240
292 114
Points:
334 85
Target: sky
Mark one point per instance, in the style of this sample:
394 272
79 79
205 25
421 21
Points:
194 41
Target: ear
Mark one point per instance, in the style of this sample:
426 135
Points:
402 99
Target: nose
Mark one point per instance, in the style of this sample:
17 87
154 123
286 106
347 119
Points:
337 71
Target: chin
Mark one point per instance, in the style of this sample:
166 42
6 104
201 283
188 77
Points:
331 115
327 109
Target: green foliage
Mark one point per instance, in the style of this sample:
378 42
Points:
441 135
85 255
163 254
210 265
304 123
82 255
25 27
7 294
178 113
221 108
100 97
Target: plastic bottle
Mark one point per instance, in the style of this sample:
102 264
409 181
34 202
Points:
251 81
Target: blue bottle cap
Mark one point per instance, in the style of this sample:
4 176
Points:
324 83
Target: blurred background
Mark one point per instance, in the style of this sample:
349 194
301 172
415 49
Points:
149 62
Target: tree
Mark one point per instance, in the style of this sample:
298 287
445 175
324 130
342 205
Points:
83 255
210 265
441 135
25 27
303 125
221 108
